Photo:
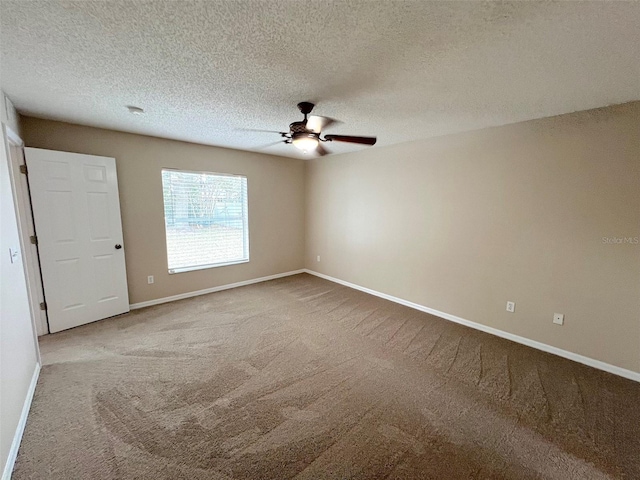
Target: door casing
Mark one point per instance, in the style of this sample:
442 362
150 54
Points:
15 147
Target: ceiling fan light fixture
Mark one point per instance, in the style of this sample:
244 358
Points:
305 142
305 134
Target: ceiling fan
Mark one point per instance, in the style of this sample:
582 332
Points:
305 134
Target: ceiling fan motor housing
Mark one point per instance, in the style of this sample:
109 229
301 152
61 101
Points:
298 127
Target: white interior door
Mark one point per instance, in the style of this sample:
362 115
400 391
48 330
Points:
76 213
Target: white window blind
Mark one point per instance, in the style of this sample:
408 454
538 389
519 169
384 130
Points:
205 216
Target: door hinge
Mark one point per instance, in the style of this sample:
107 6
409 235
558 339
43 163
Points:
23 169
43 305
33 239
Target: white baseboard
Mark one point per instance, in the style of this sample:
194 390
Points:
623 372
182 296
22 423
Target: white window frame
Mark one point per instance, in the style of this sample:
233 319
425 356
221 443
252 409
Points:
245 218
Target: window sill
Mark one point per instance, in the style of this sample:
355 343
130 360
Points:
204 267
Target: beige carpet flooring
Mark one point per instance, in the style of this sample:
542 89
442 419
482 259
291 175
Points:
303 378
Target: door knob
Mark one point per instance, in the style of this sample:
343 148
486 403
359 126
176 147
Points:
118 246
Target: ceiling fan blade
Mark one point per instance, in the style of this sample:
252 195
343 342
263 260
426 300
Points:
320 150
260 147
351 139
318 124
261 131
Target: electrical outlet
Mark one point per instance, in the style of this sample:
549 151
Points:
558 318
318 258
511 307
150 279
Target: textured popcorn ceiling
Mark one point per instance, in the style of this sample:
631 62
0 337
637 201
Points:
399 70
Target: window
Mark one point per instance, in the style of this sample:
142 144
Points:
205 216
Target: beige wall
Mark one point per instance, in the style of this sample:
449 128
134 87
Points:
465 222
276 203
18 354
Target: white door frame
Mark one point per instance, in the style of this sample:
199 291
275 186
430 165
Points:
15 154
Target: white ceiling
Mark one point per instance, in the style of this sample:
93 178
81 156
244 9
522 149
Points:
401 70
